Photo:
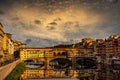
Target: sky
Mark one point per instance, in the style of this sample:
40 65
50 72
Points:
44 23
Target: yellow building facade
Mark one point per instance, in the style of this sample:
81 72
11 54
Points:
8 46
18 44
30 53
1 42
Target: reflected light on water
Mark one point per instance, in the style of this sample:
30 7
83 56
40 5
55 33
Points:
55 79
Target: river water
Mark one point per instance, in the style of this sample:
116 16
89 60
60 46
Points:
102 72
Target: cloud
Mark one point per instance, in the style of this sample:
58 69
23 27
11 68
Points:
57 19
112 1
42 42
2 12
28 41
15 18
37 22
50 27
53 23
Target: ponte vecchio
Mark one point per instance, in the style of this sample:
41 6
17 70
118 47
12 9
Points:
57 63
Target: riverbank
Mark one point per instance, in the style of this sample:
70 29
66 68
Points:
6 69
15 74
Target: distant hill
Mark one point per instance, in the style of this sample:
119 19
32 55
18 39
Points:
63 46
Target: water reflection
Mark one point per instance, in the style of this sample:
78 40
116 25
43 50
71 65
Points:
54 79
89 71
86 63
102 72
34 64
107 72
60 63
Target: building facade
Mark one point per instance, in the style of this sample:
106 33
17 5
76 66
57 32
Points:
99 46
116 44
8 46
17 45
1 42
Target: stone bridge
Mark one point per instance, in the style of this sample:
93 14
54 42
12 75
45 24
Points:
56 62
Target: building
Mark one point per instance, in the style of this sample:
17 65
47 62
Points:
1 42
31 53
8 46
99 46
119 46
108 46
115 39
18 45
87 42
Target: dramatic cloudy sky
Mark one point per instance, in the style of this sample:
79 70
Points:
42 23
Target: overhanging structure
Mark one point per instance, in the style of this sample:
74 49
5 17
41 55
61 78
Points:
57 62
